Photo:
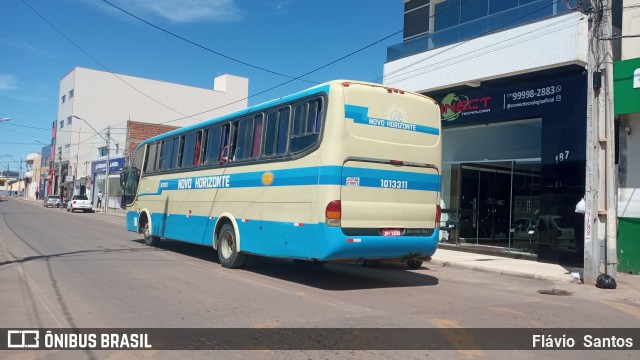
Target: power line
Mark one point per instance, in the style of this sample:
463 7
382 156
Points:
184 116
26 126
203 46
295 78
99 63
318 68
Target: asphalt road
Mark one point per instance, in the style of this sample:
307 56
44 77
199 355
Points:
84 270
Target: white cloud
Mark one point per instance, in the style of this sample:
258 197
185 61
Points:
183 11
8 82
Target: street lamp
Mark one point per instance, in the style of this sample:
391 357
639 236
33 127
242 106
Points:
36 140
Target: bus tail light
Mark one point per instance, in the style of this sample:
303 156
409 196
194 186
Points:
333 213
438 215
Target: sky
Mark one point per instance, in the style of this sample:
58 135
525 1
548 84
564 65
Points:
258 39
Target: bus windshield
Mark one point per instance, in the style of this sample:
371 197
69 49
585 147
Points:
130 178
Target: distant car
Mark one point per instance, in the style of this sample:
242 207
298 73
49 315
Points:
79 202
52 201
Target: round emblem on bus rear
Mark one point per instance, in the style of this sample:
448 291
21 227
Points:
267 178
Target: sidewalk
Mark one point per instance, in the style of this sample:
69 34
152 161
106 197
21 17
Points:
114 212
504 265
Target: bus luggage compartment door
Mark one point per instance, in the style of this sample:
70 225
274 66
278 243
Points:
379 195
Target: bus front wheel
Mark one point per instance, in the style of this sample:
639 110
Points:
149 239
228 248
414 264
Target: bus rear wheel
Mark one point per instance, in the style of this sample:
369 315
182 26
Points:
149 239
228 248
414 264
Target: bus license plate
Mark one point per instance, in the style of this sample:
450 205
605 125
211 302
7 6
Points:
391 232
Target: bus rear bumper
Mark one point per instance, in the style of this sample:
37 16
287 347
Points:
334 245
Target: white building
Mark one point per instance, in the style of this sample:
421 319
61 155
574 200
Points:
91 101
32 175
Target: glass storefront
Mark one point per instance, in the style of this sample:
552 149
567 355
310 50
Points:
494 203
514 165
110 191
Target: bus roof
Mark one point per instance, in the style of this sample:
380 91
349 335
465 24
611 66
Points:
324 87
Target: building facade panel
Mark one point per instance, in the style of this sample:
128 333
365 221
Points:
554 42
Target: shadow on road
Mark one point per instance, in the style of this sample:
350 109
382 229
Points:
331 276
68 254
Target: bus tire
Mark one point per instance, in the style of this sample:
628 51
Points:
414 264
228 248
149 239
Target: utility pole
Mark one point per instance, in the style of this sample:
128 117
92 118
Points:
19 176
59 171
600 186
106 192
75 174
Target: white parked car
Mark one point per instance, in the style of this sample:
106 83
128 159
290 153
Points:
79 202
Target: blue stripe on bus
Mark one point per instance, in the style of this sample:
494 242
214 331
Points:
360 115
318 175
283 239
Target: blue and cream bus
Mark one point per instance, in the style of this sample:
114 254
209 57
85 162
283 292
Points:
345 170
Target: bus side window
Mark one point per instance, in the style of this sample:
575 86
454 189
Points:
317 119
168 155
270 134
196 157
150 163
224 151
158 161
232 147
306 135
189 150
243 139
174 153
257 137
283 130
299 119
214 143
181 152
205 140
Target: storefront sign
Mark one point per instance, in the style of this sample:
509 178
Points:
525 100
115 165
626 86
